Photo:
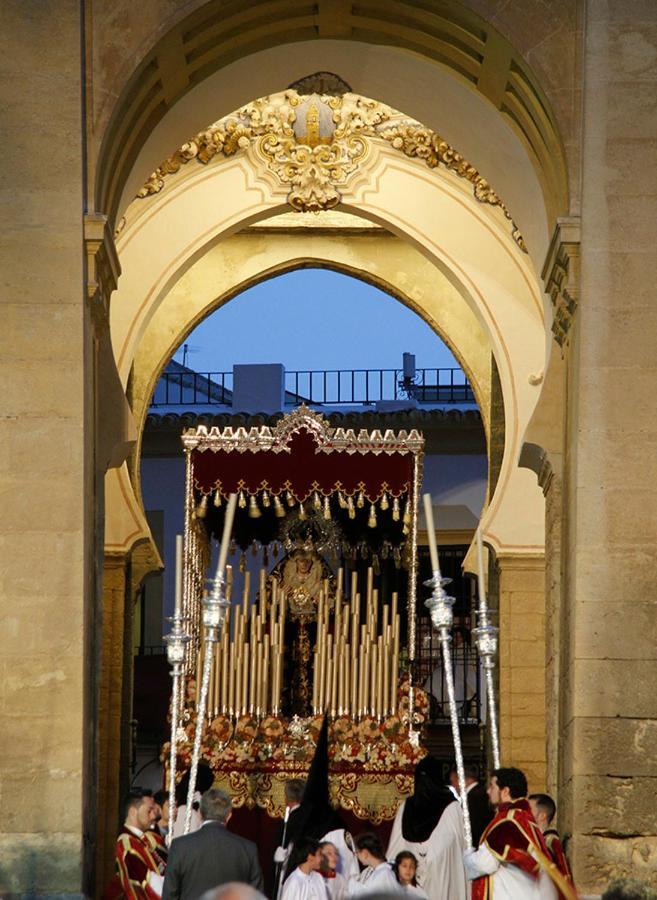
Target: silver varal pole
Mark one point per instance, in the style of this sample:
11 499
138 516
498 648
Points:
215 607
176 642
442 617
485 636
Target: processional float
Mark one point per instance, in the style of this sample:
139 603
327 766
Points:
332 515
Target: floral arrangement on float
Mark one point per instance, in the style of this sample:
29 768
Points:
368 744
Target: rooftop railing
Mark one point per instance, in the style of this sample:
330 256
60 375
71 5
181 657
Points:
327 387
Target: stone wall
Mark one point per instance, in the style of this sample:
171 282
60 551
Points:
609 702
522 665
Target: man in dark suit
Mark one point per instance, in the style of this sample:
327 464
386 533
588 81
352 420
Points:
481 812
211 856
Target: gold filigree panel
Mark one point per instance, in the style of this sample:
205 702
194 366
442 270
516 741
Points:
314 143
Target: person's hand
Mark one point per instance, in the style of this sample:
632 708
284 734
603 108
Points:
280 855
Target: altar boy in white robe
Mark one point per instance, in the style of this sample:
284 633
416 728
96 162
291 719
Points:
305 882
430 825
377 877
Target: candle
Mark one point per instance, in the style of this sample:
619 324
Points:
225 661
253 676
481 582
225 537
263 594
394 682
431 533
354 680
245 593
386 681
246 671
340 588
237 680
361 680
380 683
315 680
265 677
334 678
354 591
179 576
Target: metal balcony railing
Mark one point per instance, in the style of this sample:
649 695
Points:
327 387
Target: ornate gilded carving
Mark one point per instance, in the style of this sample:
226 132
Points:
561 277
328 438
314 142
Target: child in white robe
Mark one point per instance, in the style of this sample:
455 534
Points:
305 883
377 877
335 883
405 868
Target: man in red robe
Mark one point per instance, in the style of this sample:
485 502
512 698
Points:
544 810
140 867
512 861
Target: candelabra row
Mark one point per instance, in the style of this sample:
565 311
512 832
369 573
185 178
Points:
247 663
356 665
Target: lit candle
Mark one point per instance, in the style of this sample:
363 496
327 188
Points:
431 533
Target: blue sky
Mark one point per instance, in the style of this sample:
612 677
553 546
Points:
314 319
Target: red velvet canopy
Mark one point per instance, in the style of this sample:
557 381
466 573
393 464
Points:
303 454
302 470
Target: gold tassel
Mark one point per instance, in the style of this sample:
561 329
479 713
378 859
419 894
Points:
360 503
242 562
275 549
279 512
327 508
385 549
384 502
202 508
372 519
396 555
317 503
289 498
407 513
350 507
395 510
342 503
241 502
231 549
376 568
254 512
217 497
302 512
265 499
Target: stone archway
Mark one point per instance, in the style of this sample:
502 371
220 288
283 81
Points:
379 180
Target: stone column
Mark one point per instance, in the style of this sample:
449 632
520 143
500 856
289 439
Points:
47 473
522 665
110 713
609 702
